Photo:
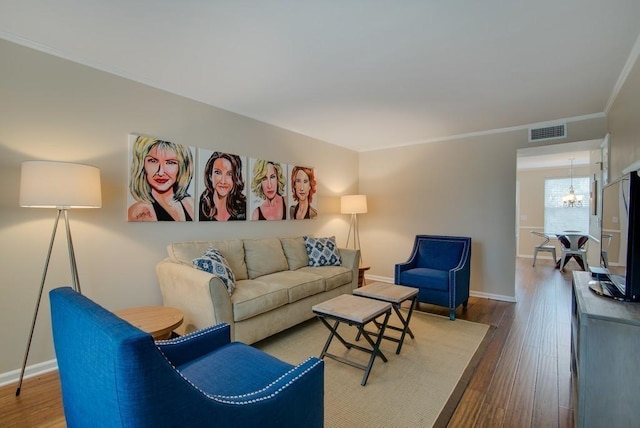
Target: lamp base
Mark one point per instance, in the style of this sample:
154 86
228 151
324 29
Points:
74 279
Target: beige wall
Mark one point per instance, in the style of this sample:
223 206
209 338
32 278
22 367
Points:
458 187
624 124
54 109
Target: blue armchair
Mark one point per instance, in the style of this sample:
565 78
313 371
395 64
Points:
114 375
440 268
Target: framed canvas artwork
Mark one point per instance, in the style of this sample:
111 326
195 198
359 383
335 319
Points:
221 186
160 180
268 190
302 180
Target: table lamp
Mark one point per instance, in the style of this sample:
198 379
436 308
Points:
59 185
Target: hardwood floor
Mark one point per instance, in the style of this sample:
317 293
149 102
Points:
523 379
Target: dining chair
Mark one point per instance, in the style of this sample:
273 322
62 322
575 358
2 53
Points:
573 245
542 246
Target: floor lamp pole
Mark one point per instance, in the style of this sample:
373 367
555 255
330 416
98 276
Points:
74 278
356 234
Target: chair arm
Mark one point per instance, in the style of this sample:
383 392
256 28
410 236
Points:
401 267
459 279
308 375
194 345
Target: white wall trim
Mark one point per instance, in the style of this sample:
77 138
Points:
31 371
500 297
490 132
633 57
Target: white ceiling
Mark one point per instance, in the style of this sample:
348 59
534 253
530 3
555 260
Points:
358 73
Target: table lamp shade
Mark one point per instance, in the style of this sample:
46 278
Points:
47 184
353 204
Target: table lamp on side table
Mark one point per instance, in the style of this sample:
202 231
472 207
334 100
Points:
59 185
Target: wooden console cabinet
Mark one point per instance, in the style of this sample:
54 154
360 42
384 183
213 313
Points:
605 358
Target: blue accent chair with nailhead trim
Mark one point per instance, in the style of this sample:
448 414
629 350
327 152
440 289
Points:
113 374
440 268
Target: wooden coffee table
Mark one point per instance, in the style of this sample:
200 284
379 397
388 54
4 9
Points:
354 311
159 321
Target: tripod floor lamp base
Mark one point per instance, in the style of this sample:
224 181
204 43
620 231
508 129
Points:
74 279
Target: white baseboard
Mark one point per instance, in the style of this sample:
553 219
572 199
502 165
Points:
491 296
479 294
30 371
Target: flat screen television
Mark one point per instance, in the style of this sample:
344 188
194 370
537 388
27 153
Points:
621 220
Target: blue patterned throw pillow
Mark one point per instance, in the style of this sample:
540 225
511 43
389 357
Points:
213 261
322 251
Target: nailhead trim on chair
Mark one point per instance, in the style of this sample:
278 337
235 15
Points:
186 338
227 399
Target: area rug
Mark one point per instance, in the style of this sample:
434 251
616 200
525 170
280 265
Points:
418 388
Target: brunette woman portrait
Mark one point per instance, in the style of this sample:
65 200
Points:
223 198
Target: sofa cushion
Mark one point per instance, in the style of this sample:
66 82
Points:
252 298
231 249
213 261
299 284
296 252
322 251
264 256
426 278
335 276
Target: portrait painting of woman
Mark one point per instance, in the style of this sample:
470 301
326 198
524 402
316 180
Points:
223 197
160 179
303 187
268 185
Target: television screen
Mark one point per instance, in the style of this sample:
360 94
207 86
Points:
620 237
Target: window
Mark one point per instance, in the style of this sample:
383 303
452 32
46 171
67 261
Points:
557 217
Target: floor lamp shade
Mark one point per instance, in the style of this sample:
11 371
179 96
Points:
353 204
47 184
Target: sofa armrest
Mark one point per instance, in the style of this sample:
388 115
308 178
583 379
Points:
194 345
351 259
201 296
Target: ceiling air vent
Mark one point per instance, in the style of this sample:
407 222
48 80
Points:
548 132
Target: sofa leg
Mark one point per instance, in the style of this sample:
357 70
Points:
452 314
465 304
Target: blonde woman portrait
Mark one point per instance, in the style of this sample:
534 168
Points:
160 177
303 187
268 184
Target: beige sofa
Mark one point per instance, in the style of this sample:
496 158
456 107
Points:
274 288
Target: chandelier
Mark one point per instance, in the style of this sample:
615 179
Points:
571 199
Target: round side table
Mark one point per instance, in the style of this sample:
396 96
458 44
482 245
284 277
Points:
159 321
361 271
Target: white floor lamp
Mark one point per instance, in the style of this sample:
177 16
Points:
354 205
59 185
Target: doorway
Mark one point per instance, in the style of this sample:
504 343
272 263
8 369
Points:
534 166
